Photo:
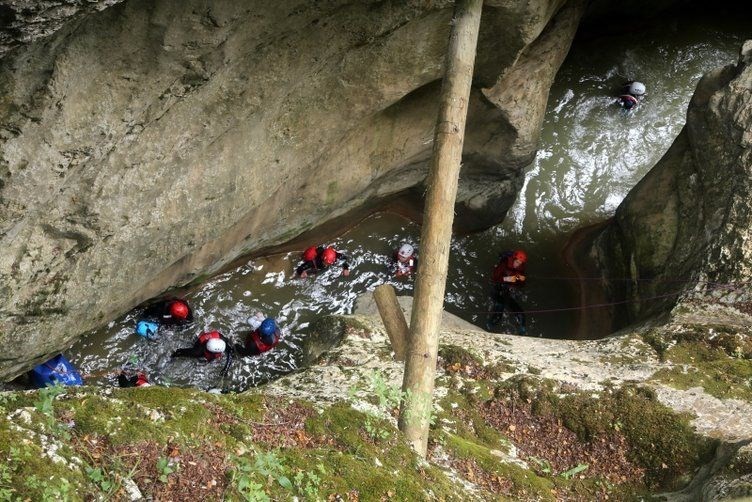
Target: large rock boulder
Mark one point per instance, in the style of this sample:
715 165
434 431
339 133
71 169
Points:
151 143
686 229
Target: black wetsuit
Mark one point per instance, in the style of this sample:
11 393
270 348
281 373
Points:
160 312
131 380
198 349
317 265
504 292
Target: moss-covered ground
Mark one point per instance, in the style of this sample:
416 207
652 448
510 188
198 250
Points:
180 444
621 443
716 358
493 438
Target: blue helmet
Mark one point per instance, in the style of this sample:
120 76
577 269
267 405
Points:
268 327
147 329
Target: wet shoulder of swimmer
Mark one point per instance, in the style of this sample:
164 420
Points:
171 311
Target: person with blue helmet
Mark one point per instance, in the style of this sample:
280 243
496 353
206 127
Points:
262 339
147 329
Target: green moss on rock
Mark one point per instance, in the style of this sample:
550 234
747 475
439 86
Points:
524 483
716 358
661 441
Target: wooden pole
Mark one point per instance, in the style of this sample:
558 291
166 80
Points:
393 318
436 234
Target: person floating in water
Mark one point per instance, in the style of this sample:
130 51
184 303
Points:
263 338
210 345
632 94
405 260
174 311
131 375
128 378
317 259
508 277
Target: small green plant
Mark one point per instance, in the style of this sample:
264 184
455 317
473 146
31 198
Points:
389 395
269 465
374 431
6 482
45 405
242 478
58 492
266 465
308 483
574 471
164 468
100 478
422 401
5 397
544 466
32 482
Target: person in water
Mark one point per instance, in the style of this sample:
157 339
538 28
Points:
210 345
631 95
317 259
508 277
174 311
405 261
128 378
147 329
263 338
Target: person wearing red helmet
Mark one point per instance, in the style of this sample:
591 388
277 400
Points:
171 312
508 277
316 259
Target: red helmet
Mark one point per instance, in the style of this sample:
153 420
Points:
329 256
520 255
179 309
309 254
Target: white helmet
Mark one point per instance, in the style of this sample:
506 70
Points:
255 320
216 346
406 251
636 88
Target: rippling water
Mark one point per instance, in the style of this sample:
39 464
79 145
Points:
591 154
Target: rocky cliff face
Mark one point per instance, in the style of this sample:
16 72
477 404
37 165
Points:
685 230
149 144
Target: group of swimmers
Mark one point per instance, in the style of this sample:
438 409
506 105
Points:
264 334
